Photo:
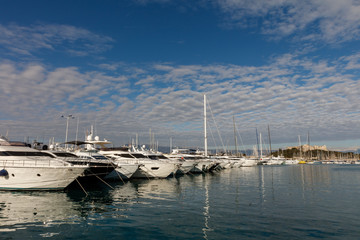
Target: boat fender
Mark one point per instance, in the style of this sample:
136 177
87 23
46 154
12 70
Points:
45 147
4 173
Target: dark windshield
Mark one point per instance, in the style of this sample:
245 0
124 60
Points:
99 157
125 155
65 154
28 154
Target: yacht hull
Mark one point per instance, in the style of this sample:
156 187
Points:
39 178
123 171
155 170
186 166
249 163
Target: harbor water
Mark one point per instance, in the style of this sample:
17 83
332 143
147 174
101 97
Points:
263 202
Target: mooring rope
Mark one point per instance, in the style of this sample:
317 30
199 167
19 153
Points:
81 186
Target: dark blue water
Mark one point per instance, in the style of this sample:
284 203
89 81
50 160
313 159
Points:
265 202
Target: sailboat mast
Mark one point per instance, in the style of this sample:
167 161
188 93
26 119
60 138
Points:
257 141
269 141
300 147
235 138
205 134
309 154
170 145
150 138
261 153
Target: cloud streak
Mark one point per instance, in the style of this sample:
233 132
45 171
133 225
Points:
310 20
26 40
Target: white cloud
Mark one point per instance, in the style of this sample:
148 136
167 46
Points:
292 94
327 20
26 40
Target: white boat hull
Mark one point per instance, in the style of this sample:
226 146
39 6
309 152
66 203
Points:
249 163
39 178
186 166
123 171
205 165
155 169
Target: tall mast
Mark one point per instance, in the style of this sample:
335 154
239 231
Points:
269 141
170 145
150 138
257 141
235 138
309 154
300 147
261 154
205 135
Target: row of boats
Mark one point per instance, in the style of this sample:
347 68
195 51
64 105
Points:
38 167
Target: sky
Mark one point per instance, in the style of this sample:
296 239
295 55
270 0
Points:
139 69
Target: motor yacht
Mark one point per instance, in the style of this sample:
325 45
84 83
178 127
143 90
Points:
147 168
124 169
25 168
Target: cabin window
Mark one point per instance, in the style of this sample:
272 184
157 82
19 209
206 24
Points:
65 154
125 155
138 155
29 154
99 157
4 154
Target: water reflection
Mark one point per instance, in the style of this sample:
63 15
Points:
303 175
251 202
206 212
310 176
157 189
44 208
20 210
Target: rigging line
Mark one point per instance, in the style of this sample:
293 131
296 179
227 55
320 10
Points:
213 138
242 143
266 146
262 145
212 115
143 171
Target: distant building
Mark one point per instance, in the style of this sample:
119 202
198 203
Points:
306 147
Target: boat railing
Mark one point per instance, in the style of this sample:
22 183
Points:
32 163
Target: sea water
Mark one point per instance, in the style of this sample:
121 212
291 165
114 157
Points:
263 202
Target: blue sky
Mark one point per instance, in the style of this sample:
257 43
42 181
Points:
130 66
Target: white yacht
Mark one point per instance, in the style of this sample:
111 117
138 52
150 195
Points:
250 162
279 160
121 170
98 165
189 160
124 169
226 161
158 156
24 168
147 168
